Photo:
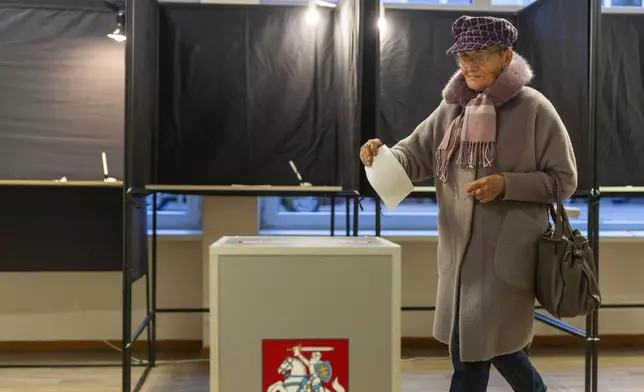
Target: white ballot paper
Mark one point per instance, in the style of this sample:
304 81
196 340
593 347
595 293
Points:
388 178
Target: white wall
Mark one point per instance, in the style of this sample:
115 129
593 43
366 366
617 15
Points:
86 306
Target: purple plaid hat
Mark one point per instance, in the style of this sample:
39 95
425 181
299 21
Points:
480 32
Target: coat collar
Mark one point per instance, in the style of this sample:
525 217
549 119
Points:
510 81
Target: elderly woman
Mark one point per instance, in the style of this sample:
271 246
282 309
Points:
494 146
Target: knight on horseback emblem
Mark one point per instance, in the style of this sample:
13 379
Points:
302 374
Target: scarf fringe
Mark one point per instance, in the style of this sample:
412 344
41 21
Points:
442 162
476 154
444 152
471 155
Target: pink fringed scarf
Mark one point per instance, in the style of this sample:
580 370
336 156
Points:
477 145
473 134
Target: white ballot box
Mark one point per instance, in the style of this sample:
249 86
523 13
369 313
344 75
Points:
292 313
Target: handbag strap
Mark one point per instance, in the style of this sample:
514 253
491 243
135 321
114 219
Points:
560 216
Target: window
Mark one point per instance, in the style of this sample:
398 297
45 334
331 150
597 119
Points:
628 5
313 214
175 212
418 216
622 3
514 3
618 216
437 2
605 3
424 2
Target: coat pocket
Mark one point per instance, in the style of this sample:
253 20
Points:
516 250
445 258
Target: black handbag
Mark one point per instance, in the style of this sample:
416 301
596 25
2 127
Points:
566 277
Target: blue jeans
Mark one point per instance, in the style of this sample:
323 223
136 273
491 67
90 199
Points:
516 368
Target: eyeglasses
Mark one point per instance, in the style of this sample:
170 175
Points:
478 58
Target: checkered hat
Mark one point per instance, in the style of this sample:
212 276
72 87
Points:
480 32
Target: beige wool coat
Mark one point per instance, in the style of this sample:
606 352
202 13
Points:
487 252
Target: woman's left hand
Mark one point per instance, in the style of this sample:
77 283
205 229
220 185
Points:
487 188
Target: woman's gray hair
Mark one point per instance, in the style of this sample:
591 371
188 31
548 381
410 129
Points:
499 48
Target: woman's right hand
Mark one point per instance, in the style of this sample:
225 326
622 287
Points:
369 150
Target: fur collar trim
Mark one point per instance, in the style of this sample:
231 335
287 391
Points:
510 81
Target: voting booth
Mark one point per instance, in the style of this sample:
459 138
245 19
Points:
292 313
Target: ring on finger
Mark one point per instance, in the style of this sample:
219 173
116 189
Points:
478 192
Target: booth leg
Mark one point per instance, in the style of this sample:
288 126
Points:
127 300
347 218
592 353
152 293
356 206
332 228
592 320
378 212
